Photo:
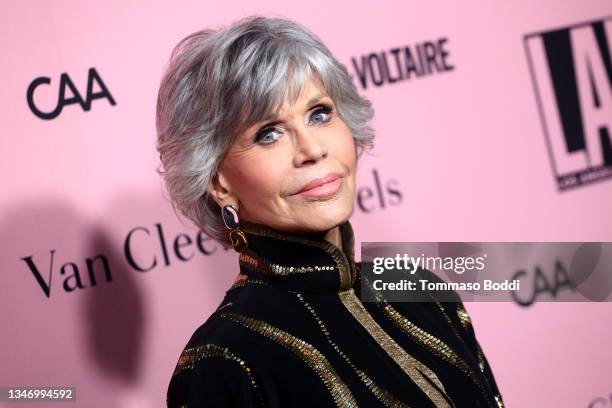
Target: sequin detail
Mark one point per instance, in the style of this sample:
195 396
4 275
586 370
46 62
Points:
435 345
464 317
344 262
420 374
481 360
480 354
241 282
253 261
240 278
339 391
190 356
380 393
425 339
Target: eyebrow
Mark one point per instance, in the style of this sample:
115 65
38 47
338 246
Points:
315 99
273 119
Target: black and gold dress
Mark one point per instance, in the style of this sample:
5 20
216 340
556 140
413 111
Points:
292 332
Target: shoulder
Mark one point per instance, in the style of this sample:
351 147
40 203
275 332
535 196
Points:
212 374
212 369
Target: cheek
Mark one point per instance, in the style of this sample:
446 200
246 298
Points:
258 179
345 149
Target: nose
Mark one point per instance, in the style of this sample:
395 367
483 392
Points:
308 147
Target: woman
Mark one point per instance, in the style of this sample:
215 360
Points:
259 131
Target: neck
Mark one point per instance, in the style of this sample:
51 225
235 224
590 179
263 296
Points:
315 261
333 236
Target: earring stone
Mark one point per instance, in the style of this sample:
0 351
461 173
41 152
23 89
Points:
232 222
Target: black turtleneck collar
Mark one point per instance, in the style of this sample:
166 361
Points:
299 262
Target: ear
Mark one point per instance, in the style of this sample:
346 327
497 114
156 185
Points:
220 190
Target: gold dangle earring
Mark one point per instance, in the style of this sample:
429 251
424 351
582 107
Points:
232 222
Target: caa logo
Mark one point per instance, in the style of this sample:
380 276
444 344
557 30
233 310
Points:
571 70
65 82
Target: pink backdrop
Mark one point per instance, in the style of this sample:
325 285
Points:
466 149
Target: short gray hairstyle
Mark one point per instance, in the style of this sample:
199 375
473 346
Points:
218 83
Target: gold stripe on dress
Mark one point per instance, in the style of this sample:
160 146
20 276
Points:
481 358
388 399
384 396
434 344
420 374
190 356
464 317
257 263
340 392
344 263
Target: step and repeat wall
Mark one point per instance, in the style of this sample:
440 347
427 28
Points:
493 121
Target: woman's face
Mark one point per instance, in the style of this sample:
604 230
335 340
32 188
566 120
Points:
264 171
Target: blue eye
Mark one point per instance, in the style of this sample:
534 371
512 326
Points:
325 110
266 135
262 136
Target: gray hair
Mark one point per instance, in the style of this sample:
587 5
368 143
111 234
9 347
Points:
218 83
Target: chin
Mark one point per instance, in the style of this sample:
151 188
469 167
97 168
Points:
329 218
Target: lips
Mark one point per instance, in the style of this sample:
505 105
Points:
318 182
